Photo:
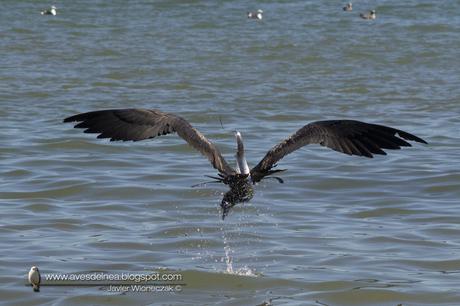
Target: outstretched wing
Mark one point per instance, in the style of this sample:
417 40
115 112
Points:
347 136
139 124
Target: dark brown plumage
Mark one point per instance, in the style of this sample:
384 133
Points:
139 124
347 136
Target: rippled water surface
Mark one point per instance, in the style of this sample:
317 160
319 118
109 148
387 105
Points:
341 230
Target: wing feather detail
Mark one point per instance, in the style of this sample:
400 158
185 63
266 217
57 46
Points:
346 136
139 124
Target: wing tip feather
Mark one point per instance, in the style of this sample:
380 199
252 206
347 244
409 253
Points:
412 137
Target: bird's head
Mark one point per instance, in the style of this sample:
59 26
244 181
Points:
34 268
240 191
226 206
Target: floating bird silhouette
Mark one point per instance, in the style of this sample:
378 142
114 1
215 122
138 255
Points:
346 136
368 16
256 15
348 7
35 278
51 11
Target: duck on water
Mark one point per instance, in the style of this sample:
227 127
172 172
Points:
51 11
255 15
348 7
369 16
346 136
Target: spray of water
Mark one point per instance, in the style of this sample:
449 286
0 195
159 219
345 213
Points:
245 271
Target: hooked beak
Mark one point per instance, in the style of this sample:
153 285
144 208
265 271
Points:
226 206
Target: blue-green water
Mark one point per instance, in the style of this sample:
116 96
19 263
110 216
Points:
341 230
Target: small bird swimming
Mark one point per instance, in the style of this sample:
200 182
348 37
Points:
51 11
35 278
256 15
346 136
368 16
348 7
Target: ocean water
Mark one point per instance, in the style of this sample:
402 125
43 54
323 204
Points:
341 230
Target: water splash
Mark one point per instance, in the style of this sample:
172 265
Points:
244 271
228 259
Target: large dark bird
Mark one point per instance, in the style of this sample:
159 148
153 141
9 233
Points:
347 136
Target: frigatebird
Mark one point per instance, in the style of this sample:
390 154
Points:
346 136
